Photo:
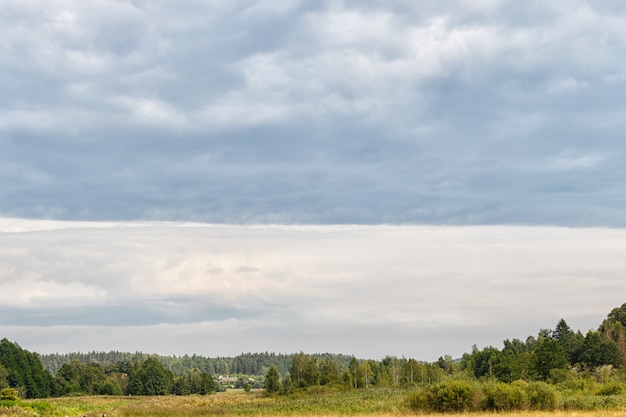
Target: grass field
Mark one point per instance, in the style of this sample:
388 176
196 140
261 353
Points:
374 403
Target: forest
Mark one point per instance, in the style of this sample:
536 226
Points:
556 368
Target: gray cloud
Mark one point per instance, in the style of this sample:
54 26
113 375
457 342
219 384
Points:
130 113
136 312
313 112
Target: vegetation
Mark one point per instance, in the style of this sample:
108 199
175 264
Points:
558 369
242 364
22 370
9 394
376 402
272 381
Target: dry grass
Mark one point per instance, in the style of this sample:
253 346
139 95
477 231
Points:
371 403
600 413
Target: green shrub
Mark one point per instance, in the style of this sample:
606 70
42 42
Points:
108 388
506 397
418 400
452 396
560 375
610 388
542 396
9 394
593 402
583 384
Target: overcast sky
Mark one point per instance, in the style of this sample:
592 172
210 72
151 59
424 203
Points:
163 134
219 290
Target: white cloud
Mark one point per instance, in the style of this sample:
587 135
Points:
152 111
41 292
277 7
570 163
566 85
471 281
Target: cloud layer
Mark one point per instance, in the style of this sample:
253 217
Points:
178 288
151 135
313 111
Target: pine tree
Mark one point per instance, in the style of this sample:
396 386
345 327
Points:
25 371
272 380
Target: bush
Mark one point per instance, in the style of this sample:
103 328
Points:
542 396
506 397
594 402
560 375
452 396
417 400
108 388
583 384
9 394
610 388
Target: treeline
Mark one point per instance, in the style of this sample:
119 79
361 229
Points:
147 377
121 373
243 364
23 371
553 356
307 371
559 356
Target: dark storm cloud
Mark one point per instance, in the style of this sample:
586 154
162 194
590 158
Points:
132 313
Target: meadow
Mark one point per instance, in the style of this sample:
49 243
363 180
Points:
237 403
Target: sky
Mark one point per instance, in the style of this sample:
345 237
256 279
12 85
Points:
361 177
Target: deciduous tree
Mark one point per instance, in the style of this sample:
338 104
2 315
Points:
597 351
549 355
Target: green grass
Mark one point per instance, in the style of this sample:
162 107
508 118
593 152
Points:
315 402
318 402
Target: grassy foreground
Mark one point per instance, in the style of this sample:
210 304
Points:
374 403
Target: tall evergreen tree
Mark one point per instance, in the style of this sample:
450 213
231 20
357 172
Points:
570 340
25 371
272 381
562 331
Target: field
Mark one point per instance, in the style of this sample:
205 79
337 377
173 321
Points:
374 403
